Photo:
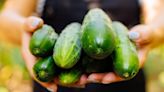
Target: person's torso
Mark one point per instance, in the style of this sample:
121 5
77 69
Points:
59 13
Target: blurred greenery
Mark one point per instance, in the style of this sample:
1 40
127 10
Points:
3 89
11 56
1 3
155 62
14 76
12 69
154 70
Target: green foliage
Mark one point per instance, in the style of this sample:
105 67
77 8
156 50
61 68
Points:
155 62
11 56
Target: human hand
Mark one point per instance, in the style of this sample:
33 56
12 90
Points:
145 39
30 25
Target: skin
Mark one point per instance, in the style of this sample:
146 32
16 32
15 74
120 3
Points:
16 17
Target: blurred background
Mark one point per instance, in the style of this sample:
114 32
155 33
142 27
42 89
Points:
15 78
13 74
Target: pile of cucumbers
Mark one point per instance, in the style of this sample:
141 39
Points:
98 45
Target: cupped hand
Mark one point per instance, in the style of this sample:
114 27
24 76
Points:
143 35
31 24
145 39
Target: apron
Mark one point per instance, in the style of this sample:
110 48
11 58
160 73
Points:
59 13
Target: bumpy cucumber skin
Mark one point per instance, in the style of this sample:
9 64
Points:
98 37
70 76
91 65
126 62
43 41
68 46
45 69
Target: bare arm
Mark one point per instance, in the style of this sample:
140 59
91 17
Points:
13 16
153 12
13 21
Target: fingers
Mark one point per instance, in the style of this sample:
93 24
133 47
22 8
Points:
30 60
81 83
140 34
32 23
111 78
105 78
96 77
50 87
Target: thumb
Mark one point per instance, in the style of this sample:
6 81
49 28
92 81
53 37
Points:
32 23
140 34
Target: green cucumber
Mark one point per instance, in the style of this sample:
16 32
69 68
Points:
43 41
98 37
68 46
126 62
45 69
70 76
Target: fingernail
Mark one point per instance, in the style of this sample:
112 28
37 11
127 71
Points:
35 23
134 35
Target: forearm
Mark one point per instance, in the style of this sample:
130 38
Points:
11 25
12 18
153 13
157 25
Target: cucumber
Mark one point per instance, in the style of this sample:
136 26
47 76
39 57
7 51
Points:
45 69
126 62
98 37
91 65
70 76
68 46
43 41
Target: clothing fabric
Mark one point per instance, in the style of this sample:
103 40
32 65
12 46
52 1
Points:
59 13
